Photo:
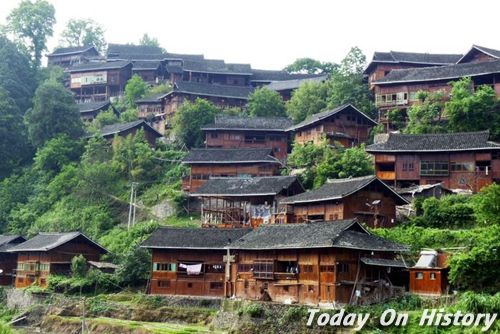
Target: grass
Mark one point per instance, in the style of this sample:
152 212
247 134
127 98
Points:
182 221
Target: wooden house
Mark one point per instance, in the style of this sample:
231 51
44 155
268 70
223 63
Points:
345 125
214 71
286 87
239 202
67 57
8 261
151 71
424 191
249 132
316 263
90 110
228 162
51 253
261 78
99 81
429 276
366 198
130 128
457 160
478 54
384 62
190 261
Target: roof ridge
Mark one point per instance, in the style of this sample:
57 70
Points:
439 134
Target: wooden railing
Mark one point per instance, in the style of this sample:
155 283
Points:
386 175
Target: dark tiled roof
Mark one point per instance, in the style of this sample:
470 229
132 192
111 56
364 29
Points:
246 123
156 98
254 186
176 69
336 234
183 56
145 65
384 262
193 238
216 66
295 83
121 50
440 73
93 106
462 141
272 75
205 89
70 50
113 129
46 241
417 58
229 155
91 66
328 113
491 52
8 241
339 188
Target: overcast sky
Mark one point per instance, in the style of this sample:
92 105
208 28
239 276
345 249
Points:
270 34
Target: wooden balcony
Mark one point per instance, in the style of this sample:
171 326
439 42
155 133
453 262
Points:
285 276
386 175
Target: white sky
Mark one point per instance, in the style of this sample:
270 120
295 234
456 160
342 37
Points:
270 34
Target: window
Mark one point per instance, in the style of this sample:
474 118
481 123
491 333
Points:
342 268
255 138
216 285
306 268
462 166
286 288
432 276
234 137
164 266
214 135
44 266
246 284
434 168
190 285
263 269
245 267
327 268
215 268
419 275
408 166
164 284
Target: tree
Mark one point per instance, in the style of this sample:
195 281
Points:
79 266
149 41
189 118
14 147
310 98
426 116
265 102
470 110
347 86
16 74
310 66
486 205
56 153
54 112
32 23
135 89
80 32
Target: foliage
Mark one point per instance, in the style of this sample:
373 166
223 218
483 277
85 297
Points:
310 66
265 102
426 115
129 115
78 266
149 41
135 268
94 281
189 118
54 112
14 148
56 153
5 329
105 118
310 98
135 89
396 118
479 302
469 110
453 211
83 32
254 310
347 85
486 205
32 23
160 89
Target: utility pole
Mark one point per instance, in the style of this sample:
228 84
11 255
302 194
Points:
134 206
131 207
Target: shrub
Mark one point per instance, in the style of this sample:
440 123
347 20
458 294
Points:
479 302
78 266
254 310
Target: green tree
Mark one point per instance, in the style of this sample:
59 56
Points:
56 153
454 211
265 102
189 118
135 89
470 110
80 32
14 147
486 205
149 41
79 266
54 112
310 66
426 116
310 98
106 118
347 85
16 74
32 23
135 268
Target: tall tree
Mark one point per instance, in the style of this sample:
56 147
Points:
310 98
14 148
310 66
81 32
265 102
472 110
426 116
149 41
189 118
136 88
54 112
32 23
347 86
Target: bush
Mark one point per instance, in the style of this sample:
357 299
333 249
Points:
454 211
479 302
5 329
254 310
79 266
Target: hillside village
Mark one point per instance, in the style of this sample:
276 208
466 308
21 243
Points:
130 168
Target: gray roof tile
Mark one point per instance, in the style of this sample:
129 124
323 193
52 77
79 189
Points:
254 186
9 241
112 129
205 89
273 75
95 66
249 123
70 50
46 241
93 106
294 83
229 155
